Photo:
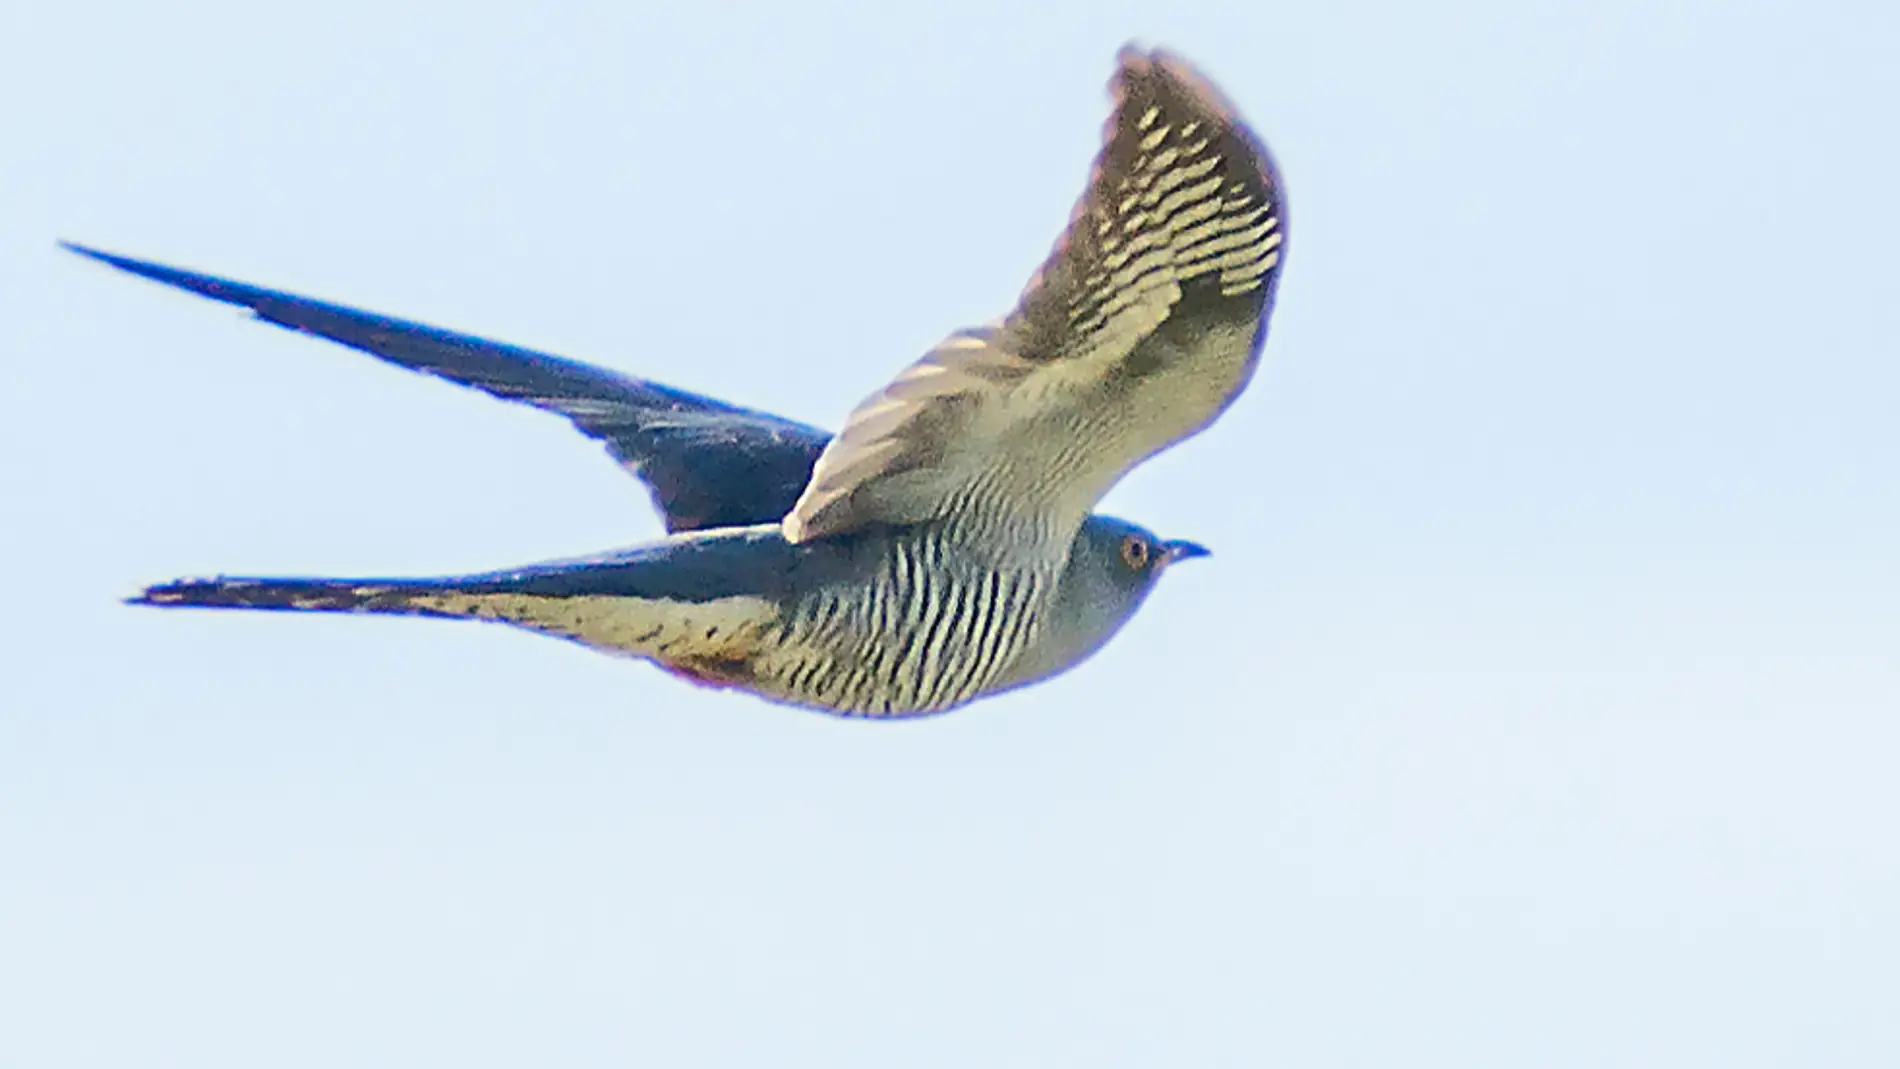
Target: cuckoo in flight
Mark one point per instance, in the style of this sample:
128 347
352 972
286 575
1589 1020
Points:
938 549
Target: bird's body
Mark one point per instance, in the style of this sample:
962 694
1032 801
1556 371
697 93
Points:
940 548
878 624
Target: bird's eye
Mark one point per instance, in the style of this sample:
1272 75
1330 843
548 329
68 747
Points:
1135 552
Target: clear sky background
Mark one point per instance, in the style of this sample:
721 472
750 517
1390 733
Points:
1539 707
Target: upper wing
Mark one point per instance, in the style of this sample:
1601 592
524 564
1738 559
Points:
707 463
1143 326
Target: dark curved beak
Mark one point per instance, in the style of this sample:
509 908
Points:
1179 550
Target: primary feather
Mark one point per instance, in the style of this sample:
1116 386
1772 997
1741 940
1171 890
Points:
1143 326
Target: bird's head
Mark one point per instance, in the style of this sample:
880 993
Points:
1141 554
1114 564
1112 567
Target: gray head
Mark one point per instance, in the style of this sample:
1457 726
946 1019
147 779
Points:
1112 567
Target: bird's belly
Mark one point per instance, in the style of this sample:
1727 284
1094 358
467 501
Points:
879 661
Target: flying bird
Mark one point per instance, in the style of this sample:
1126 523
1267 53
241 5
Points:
939 548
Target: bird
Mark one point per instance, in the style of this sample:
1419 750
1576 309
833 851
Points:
939 548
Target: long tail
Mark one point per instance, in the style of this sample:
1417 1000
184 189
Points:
689 601
409 597
712 642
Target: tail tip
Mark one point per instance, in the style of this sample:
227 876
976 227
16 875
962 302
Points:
176 592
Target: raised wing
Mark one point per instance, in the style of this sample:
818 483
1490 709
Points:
1143 326
708 464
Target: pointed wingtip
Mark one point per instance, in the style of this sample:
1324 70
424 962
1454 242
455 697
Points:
124 263
146 268
87 251
218 289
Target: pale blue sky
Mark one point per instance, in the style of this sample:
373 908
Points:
1539 707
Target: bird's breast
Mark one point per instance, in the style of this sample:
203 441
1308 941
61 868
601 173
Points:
935 625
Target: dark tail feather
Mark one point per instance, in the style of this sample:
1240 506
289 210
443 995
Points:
291 595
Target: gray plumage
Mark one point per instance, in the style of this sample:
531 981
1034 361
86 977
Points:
940 548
